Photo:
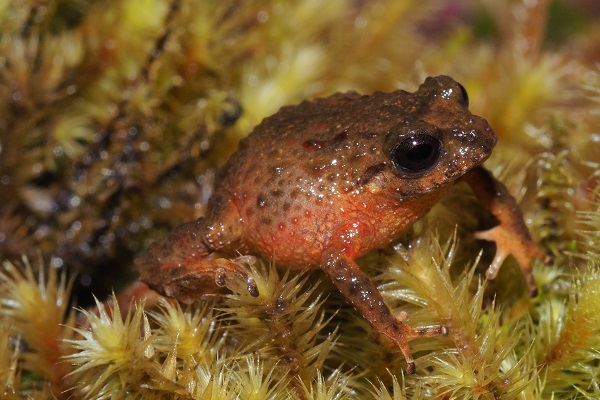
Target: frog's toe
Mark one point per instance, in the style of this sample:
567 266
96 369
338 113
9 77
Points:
231 275
431 331
408 333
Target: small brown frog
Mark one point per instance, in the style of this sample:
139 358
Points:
323 182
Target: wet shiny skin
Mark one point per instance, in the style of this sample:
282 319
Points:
321 171
323 182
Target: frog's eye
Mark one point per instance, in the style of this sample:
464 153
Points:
416 154
464 96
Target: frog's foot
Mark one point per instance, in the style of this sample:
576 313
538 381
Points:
230 273
401 334
519 246
193 280
183 266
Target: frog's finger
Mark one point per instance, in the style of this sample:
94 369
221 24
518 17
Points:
494 235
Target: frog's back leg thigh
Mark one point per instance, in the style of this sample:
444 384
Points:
180 264
358 289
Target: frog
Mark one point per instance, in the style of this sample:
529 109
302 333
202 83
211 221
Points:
323 182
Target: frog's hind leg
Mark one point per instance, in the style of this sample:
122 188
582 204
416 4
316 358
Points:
182 266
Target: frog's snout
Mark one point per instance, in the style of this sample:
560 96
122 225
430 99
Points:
488 140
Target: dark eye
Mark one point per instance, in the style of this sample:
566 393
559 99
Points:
464 95
416 154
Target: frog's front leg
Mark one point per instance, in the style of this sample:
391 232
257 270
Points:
511 235
181 265
359 290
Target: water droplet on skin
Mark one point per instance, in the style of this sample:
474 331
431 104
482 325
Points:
261 202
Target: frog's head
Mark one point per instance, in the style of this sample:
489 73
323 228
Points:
438 141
